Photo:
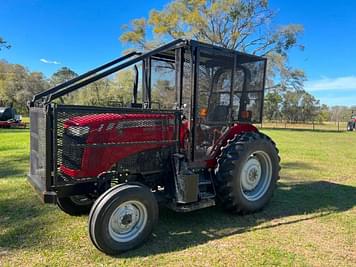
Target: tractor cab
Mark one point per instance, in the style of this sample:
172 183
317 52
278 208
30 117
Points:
182 137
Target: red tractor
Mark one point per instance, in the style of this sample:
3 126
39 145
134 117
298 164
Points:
187 145
351 124
10 119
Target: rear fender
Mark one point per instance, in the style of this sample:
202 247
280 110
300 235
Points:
222 141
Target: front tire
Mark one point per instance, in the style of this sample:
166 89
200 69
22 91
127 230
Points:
75 205
247 172
122 218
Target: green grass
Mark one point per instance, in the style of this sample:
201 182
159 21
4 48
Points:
311 219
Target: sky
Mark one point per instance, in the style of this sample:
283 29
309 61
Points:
47 35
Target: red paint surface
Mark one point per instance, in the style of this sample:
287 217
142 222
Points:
222 141
7 124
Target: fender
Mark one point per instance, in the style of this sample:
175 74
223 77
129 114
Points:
229 134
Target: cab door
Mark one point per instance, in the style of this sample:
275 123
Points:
212 99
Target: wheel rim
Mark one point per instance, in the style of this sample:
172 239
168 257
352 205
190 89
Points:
127 221
256 176
81 200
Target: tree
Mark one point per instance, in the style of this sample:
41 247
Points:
4 44
18 85
324 113
299 105
122 87
163 93
272 105
115 90
62 75
341 113
94 93
244 25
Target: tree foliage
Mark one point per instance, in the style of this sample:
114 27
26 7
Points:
272 105
18 85
113 90
299 105
62 75
244 25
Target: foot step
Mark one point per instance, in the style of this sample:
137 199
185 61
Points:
204 203
206 195
205 182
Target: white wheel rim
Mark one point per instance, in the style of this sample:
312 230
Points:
127 221
256 176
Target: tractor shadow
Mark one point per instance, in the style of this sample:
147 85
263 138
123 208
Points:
14 166
177 231
23 220
14 157
297 165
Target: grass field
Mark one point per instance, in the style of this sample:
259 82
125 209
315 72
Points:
311 220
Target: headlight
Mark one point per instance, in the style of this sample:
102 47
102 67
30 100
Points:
78 130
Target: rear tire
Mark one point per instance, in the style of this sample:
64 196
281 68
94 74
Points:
247 172
122 218
75 205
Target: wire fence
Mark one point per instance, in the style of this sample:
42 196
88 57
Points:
335 126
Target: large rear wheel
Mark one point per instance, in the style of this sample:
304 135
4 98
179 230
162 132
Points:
247 172
122 218
350 126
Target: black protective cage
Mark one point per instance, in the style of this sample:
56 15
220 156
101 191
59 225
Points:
46 116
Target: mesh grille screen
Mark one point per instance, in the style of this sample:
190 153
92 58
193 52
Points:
72 155
38 145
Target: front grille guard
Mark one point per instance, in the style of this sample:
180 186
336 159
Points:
40 173
63 112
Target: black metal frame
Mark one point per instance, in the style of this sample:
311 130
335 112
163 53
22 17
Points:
46 192
46 97
44 101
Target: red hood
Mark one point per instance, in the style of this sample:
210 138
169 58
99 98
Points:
97 119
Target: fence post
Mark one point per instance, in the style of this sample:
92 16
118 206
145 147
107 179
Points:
338 126
313 126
